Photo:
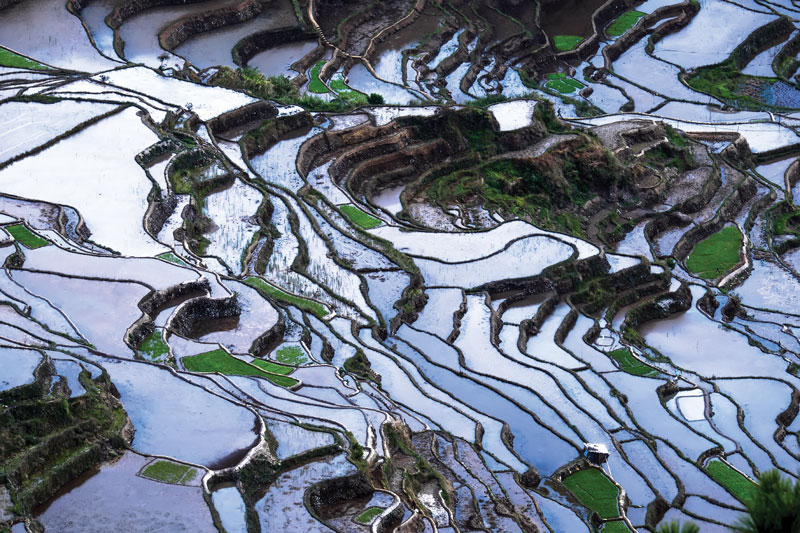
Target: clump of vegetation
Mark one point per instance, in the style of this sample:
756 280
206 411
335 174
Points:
559 81
172 258
595 491
277 88
291 355
360 217
375 99
26 237
347 93
153 346
563 43
773 506
169 472
284 297
369 515
717 254
359 366
630 364
547 189
677 527
10 59
623 23
742 488
224 363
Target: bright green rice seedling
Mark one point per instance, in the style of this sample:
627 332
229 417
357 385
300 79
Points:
26 237
737 484
623 23
595 491
359 217
717 254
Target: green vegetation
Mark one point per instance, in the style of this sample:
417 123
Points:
774 505
737 484
347 93
359 217
291 355
359 366
542 189
677 527
566 42
278 88
169 472
375 99
224 363
595 491
717 254
558 81
271 367
617 526
277 294
153 346
10 59
369 515
630 364
26 237
316 85
623 23
172 258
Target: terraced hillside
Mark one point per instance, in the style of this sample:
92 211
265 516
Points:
315 265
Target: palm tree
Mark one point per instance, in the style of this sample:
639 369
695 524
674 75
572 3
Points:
774 507
676 527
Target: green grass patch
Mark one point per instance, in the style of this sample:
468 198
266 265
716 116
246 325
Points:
369 515
630 364
224 363
717 254
153 346
10 59
350 95
566 42
277 294
291 355
623 23
316 85
169 472
359 217
172 258
618 526
558 81
742 488
26 237
595 491
271 367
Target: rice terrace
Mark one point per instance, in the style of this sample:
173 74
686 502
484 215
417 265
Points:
404 266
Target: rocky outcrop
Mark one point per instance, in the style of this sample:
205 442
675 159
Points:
198 313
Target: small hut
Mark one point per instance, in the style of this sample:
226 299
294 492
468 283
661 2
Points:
595 452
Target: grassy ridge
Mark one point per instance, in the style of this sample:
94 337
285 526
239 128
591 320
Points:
717 254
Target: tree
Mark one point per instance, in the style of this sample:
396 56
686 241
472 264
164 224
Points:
375 99
775 506
676 527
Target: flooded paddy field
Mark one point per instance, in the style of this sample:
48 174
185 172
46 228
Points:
400 266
